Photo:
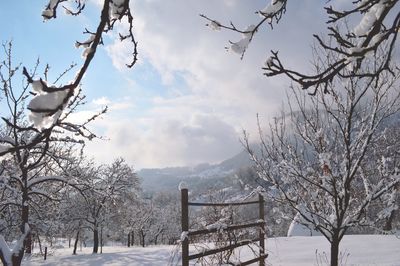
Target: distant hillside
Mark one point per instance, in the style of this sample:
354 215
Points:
159 179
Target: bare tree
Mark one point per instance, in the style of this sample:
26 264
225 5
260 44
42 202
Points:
29 143
50 101
315 157
31 154
109 186
383 161
378 28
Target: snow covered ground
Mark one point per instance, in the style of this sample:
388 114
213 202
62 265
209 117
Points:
356 250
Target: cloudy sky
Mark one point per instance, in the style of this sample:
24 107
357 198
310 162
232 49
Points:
188 99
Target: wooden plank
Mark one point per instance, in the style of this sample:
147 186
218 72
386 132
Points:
262 228
185 226
228 228
222 204
217 250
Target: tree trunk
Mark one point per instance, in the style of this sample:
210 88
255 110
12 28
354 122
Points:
388 226
101 240
2 259
143 235
17 257
95 240
335 251
129 239
157 235
389 221
28 244
76 242
40 244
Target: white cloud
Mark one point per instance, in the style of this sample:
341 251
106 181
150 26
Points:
154 142
101 101
222 94
81 116
115 104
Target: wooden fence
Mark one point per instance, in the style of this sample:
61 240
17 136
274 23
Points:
186 257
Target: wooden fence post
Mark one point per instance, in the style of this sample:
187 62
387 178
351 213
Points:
185 226
262 230
45 253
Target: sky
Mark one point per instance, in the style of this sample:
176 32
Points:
188 99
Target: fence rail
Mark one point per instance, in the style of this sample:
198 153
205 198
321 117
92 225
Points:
228 228
185 229
222 204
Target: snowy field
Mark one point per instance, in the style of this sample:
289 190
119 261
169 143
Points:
356 250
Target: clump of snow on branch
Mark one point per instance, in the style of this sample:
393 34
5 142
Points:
300 227
241 46
86 52
369 19
37 86
86 43
269 62
219 225
116 8
4 147
272 8
214 25
7 253
367 22
49 11
46 107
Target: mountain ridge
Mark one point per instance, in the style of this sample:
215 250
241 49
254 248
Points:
159 179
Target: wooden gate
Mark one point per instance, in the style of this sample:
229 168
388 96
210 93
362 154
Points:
186 257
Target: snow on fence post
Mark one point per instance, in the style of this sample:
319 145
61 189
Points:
185 226
262 229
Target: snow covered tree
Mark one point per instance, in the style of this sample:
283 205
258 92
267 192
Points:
50 101
383 161
71 207
33 155
121 223
319 155
167 218
24 145
153 220
108 187
156 220
358 29
143 220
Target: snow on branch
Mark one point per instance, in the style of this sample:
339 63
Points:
272 11
50 101
331 158
376 30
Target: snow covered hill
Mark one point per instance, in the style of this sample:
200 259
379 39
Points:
160 179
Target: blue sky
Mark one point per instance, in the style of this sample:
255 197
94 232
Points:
188 99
